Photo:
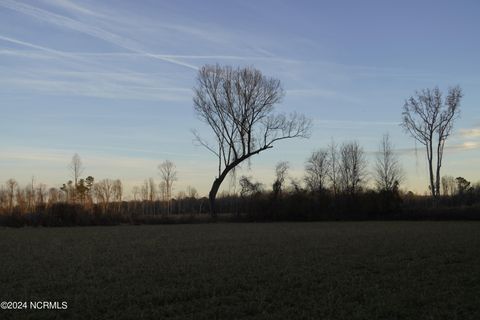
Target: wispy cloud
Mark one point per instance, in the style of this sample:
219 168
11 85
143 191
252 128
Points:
128 55
121 84
350 124
470 133
91 30
100 89
73 7
450 148
31 45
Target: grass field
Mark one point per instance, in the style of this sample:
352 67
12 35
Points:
334 270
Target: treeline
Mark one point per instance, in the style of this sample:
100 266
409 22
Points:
289 203
337 185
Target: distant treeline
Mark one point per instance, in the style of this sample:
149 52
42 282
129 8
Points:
293 204
334 187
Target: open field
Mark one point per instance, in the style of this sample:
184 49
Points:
327 270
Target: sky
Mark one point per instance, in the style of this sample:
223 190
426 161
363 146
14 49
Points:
112 81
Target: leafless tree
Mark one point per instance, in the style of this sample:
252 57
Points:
136 193
162 190
3 199
145 190
333 166
76 168
429 118
30 194
316 170
152 190
388 172
11 186
449 186
117 190
168 173
103 191
281 170
238 105
353 166
41 193
21 199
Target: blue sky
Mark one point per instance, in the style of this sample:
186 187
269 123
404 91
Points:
112 81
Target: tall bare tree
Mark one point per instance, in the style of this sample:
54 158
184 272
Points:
429 118
316 170
333 166
168 174
353 167
76 167
238 105
388 172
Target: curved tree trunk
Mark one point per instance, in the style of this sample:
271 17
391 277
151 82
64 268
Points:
213 195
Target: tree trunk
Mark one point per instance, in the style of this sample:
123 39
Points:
218 181
430 168
213 195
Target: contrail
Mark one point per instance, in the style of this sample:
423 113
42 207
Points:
93 31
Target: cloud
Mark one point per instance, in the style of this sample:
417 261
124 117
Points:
98 88
103 84
31 45
449 148
91 30
132 55
467 145
342 124
470 133
73 7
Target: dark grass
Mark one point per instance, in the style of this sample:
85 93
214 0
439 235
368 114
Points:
325 270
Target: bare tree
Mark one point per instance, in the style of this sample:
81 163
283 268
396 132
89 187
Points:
11 186
41 193
448 186
429 118
162 190
388 172
104 191
76 167
316 170
280 175
333 166
145 190
135 193
3 199
152 189
238 105
352 167
168 174
117 190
